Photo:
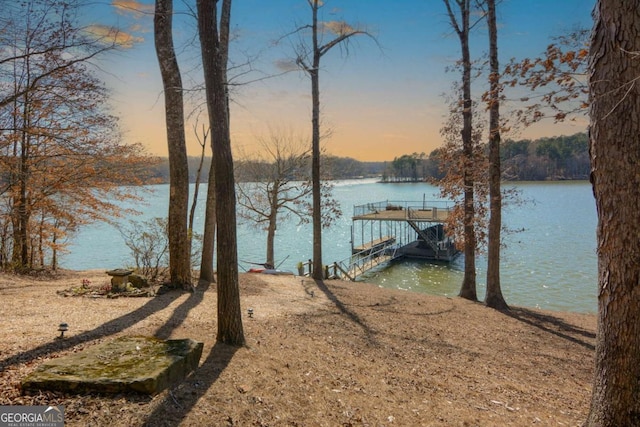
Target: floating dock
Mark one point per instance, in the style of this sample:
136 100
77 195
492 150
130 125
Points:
389 230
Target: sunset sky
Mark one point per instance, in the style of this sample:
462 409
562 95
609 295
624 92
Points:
380 99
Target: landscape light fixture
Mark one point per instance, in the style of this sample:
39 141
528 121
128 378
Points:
250 311
63 327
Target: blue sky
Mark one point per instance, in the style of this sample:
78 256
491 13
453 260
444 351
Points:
380 100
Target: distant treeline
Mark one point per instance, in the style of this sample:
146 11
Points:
555 158
333 168
549 158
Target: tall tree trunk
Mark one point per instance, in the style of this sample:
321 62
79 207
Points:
313 69
215 47
23 208
615 156
271 234
21 247
318 268
209 234
468 289
54 253
494 296
179 250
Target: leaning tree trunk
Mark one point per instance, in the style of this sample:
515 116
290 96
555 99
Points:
179 248
214 63
615 156
494 296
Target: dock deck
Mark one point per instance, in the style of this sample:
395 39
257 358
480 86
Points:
401 211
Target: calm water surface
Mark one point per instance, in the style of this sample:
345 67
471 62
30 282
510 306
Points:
550 264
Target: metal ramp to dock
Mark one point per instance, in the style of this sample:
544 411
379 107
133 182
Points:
365 260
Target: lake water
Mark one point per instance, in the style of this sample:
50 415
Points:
551 264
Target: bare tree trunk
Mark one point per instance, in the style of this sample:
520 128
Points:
318 269
462 28
21 248
209 233
215 47
23 208
209 237
179 249
271 235
494 296
313 69
196 188
615 156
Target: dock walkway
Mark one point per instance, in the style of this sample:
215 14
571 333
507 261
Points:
373 245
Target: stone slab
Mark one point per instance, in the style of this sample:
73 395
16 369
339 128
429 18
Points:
126 364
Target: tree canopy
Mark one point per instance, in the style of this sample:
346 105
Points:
62 161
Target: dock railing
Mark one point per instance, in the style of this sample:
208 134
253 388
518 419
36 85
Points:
413 208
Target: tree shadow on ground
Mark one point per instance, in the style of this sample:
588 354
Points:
344 309
175 407
553 325
182 311
112 327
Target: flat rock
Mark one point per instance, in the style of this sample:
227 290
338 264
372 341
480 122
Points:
126 364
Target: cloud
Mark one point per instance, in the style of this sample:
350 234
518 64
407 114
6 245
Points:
138 28
337 27
285 65
133 8
110 35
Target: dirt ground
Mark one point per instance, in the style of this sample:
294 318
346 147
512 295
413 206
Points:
317 354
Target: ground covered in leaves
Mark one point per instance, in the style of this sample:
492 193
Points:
317 354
